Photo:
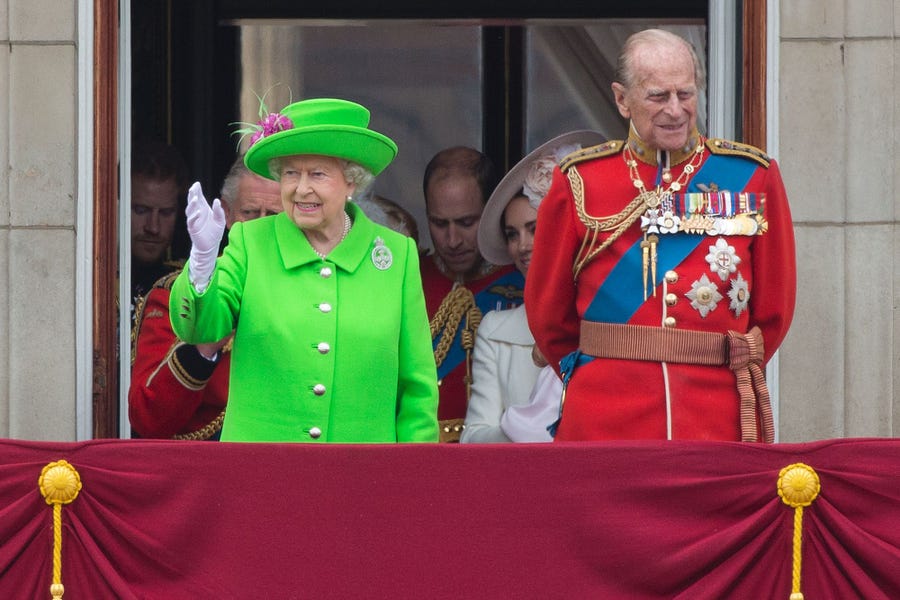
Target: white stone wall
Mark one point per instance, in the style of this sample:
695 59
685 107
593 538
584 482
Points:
839 127
38 99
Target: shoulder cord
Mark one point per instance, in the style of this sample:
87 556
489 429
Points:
459 303
618 223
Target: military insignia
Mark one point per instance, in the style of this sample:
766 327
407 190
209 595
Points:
737 225
382 257
719 212
704 296
728 147
649 220
739 294
669 222
508 291
722 259
697 224
592 152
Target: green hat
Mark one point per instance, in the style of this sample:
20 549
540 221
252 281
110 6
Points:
323 126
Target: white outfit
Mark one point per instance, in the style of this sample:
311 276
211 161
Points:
503 375
530 422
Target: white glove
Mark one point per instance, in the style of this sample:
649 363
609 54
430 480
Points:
205 225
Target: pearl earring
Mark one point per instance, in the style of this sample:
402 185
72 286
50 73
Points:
349 198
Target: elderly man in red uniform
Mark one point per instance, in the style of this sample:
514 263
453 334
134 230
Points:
179 390
664 277
459 284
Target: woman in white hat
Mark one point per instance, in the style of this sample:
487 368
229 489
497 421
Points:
332 342
513 399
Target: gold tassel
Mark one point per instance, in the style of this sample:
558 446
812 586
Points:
645 261
654 241
798 486
59 484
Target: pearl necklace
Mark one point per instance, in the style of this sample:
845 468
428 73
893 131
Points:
347 224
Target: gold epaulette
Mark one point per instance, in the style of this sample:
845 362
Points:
720 146
166 281
590 153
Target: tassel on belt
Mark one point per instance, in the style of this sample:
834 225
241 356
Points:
742 353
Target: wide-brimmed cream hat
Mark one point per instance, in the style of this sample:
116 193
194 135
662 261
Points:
536 168
322 126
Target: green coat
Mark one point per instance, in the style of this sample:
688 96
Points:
334 350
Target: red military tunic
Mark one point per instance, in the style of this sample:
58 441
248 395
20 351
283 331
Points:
499 288
709 283
175 392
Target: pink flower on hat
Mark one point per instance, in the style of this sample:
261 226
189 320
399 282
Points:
272 123
268 123
540 173
538 178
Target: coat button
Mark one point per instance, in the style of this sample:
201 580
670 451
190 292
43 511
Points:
669 322
323 348
325 307
671 299
671 277
315 433
318 389
325 272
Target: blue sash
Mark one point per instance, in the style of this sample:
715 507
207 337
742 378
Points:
492 297
622 293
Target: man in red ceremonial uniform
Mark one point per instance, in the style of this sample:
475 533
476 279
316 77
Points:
664 276
178 390
460 286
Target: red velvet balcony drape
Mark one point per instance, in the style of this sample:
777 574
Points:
635 520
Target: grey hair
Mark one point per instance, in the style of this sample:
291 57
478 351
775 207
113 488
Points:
353 172
232 181
625 66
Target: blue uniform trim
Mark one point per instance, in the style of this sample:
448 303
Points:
486 300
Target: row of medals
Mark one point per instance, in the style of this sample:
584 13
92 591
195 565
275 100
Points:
660 218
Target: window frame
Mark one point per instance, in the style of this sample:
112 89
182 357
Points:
106 406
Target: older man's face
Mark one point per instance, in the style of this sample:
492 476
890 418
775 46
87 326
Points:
257 197
662 100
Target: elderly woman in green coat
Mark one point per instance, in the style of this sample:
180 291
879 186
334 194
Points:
331 337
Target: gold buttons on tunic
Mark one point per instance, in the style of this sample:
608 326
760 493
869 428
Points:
325 307
318 389
671 299
671 277
323 348
315 433
325 272
669 322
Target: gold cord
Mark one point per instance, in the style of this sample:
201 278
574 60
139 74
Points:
459 303
619 223
798 486
467 338
205 432
60 484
